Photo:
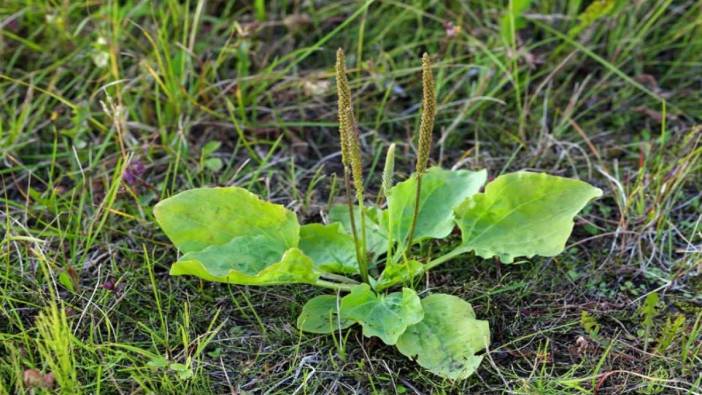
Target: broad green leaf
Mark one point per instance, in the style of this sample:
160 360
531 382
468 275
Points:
203 217
398 273
385 316
442 191
210 147
214 164
245 254
446 340
376 239
513 20
321 315
329 247
230 235
247 261
523 214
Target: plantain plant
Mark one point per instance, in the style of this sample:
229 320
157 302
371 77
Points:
230 235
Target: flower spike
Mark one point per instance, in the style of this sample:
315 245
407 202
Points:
428 114
344 94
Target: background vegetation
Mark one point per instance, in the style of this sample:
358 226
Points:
108 106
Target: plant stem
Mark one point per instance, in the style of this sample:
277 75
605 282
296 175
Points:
432 264
446 257
388 256
416 212
362 209
334 286
339 278
360 258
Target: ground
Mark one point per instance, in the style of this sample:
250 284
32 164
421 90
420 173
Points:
108 107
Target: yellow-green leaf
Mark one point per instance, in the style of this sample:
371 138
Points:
596 10
384 316
523 214
230 264
230 235
442 190
446 340
321 315
330 248
402 272
198 218
512 20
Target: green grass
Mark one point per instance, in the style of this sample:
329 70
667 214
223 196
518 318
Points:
107 107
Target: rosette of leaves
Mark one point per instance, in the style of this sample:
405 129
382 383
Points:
230 235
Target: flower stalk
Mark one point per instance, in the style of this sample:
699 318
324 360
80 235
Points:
426 126
351 160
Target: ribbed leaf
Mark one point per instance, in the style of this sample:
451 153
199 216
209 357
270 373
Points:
321 315
198 218
398 273
523 214
384 316
230 235
446 340
330 248
442 190
230 263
